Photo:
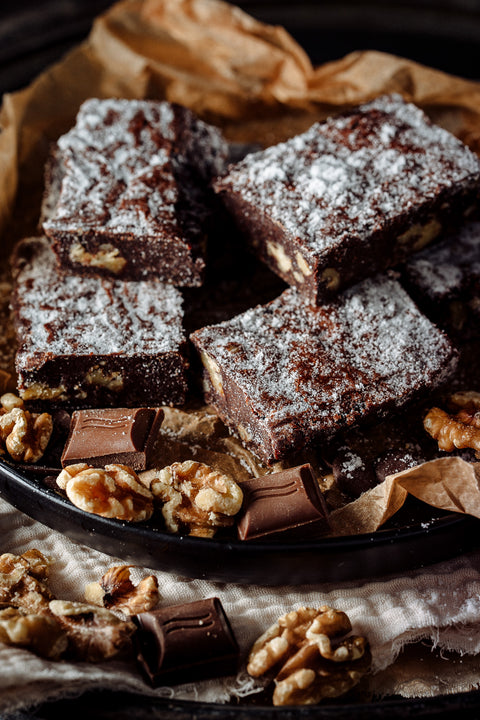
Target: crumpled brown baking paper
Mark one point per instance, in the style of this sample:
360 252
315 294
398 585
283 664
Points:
255 82
251 78
449 483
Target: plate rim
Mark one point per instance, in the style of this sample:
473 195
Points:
120 538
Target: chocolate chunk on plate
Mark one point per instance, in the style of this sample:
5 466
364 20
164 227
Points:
353 473
284 375
351 196
184 643
285 505
92 341
121 436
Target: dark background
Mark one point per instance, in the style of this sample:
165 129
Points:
443 34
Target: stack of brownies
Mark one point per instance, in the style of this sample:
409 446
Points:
128 206
126 211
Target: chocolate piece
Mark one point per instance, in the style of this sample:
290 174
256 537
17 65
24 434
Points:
287 505
285 374
445 281
351 196
132 182
94 342
183 643
113 435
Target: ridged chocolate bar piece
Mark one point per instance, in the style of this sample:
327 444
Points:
445 281
94 342
127 191
283 375
286 505
104 436
352 196
184 643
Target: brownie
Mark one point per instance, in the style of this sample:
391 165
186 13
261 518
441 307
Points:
351 196
127 191
445 281
93 341
285 374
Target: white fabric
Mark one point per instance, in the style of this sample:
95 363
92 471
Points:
441 603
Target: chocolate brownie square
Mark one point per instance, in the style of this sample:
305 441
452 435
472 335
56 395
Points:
127 191
351 196
94 341
445 281
285 374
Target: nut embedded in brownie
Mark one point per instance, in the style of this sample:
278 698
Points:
127 191
352 196
285 374
445 281
91 341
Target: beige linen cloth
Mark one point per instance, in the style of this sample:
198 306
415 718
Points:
440 603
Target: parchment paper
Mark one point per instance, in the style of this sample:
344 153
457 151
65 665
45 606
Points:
250 78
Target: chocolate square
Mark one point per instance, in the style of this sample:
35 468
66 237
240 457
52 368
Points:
287 503
184 643
112 435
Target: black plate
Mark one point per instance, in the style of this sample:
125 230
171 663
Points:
122 707
416 540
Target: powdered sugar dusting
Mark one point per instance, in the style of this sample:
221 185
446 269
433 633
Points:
351 463
352 174
324 368
65 315
120 162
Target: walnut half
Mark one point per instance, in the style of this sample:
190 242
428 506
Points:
37 632
113 492
23 434
196 498
22 580
116 591
461 427
94 633
311 656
